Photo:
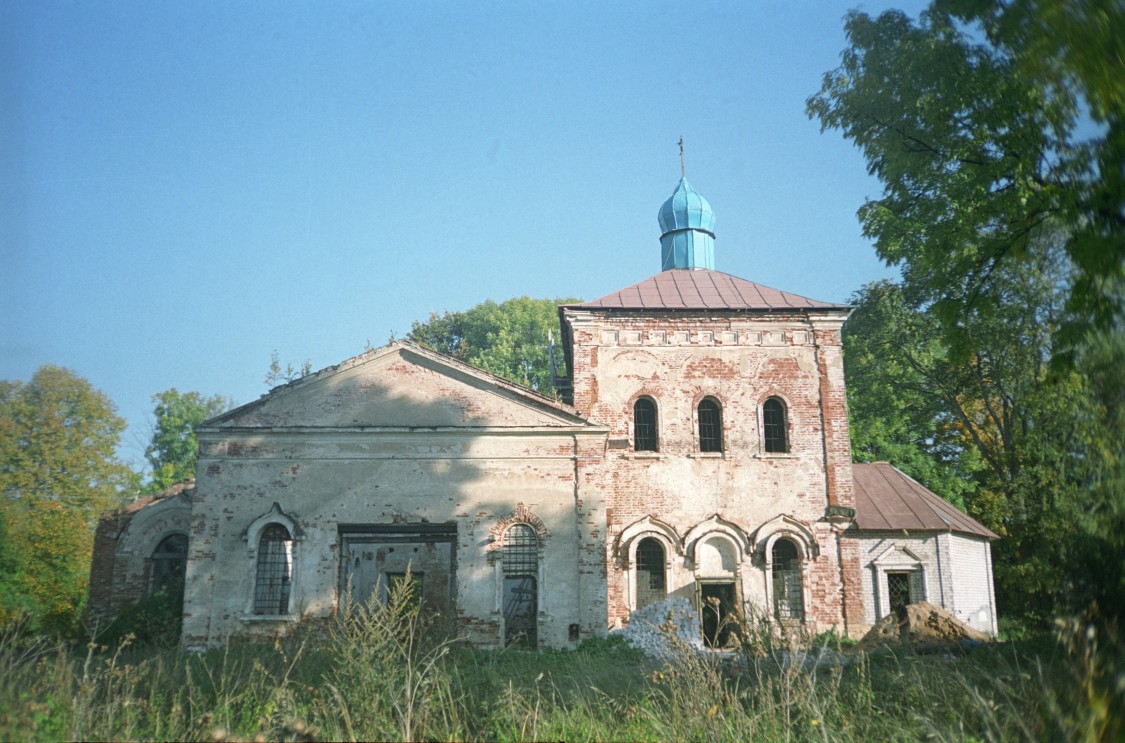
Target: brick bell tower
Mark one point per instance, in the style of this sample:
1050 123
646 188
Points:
727 477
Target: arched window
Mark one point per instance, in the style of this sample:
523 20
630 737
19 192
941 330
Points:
168 562
644 425
775 425
521 585
710 425
275 571
651 585
788 595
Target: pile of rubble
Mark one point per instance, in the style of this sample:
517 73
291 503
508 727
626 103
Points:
663 629
921 625
657 629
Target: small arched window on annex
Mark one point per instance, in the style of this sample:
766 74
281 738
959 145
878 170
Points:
646 431
775 425
168 563
270 541
710 419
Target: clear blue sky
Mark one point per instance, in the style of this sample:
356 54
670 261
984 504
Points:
185 187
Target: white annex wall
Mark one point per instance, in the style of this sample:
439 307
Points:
974 593
956 573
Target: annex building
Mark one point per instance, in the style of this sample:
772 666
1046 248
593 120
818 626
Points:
698 449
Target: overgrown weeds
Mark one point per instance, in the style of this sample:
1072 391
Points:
383 672
390 678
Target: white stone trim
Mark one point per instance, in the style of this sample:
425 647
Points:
717 525
253 538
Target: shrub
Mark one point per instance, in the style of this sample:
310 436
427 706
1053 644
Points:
156 620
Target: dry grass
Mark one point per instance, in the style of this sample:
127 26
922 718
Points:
385 674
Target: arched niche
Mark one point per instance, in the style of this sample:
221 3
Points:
716 526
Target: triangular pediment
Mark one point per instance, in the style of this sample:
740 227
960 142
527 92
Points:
898 554
401 386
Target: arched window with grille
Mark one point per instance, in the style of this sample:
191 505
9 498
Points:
775 426
710 425
275 571
788 593
520 562
169 561
651 581
645 436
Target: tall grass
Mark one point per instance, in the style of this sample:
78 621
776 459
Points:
386 673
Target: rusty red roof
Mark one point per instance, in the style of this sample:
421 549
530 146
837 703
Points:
702 289
888 499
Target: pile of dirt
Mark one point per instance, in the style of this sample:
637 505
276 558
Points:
921 625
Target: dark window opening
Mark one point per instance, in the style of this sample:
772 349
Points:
788 595
651 585
718 614
275 571
710 426
375 557
521 588
644 425
169 561
773 417
898 590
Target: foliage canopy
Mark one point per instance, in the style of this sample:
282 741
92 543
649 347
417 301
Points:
174 448
58 472
509 339
997 129
988 124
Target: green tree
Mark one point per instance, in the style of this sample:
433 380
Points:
510 339
973 119
892 353
58 472
979 415
174 448
995 127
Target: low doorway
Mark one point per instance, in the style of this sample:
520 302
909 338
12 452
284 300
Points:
898 591
521 611
718 614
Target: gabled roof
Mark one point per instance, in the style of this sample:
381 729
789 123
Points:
401 386
886 499
703 289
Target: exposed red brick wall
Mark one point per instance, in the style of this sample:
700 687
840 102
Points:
678 359
103 604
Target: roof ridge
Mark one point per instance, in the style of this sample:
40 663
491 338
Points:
703 289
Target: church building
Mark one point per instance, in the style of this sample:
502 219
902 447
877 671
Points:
698 449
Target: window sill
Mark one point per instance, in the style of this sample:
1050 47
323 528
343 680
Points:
642 455
267 618
708 455
776 456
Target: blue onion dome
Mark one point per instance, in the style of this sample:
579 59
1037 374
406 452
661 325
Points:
687 226
686 209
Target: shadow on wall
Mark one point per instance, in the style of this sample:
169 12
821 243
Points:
397 461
